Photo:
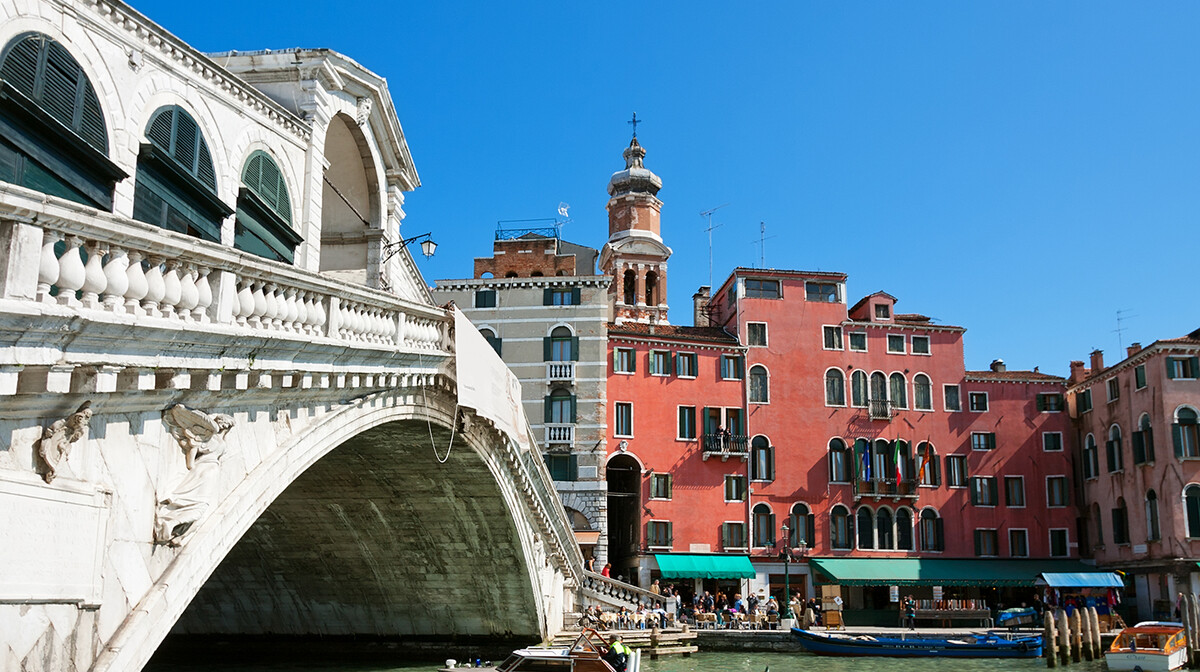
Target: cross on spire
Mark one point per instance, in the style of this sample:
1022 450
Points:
634 122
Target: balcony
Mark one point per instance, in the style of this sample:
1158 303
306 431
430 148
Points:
880 409
725 446
560 434
887 487
560 372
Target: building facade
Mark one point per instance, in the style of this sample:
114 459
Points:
1138 450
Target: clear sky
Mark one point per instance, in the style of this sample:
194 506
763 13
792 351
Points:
1023 169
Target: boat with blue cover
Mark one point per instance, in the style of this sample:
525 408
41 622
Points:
917 646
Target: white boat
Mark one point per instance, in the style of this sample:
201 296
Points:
1151 646
586 654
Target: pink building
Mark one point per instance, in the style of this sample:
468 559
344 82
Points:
1139 456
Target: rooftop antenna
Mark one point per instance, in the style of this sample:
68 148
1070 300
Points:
1120 330
708 214
564 211
761 242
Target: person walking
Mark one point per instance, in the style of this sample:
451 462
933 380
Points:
607 571
910 612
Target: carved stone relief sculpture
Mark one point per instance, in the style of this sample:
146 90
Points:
202 438
55 445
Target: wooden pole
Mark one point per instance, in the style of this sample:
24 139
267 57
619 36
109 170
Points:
1086 634
1193 637
1076 638
1049 638
1064 638
1095 617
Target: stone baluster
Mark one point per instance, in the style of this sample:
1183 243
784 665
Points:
94 280
302 315
204 294
71 273
189 295
271 317
155 287
399 328
319 311
48 265
245 300
137 286
116 280
292 311
172 289
260 305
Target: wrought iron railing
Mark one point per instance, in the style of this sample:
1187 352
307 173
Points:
725 445
880 409
886 487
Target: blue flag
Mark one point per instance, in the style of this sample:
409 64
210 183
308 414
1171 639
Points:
866 463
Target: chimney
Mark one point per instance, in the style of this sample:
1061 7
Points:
1133 349
700 306
1097 361
998 366
1078 372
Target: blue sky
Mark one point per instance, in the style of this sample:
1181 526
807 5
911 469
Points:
1023 169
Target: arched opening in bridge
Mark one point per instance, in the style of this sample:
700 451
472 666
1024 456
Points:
624 515
349 201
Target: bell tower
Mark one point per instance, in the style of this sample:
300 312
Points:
635 255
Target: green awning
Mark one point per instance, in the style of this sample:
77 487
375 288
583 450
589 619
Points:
936 571
695 566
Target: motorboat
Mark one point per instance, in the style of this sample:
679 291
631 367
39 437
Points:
918 646
586 654
1149 646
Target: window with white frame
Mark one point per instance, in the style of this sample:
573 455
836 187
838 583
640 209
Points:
898 387
660 363
839 526
977 401
840 459
761 289
623 419
731 367
895 344
1014 491
922 393
735 488
920 345
984 491
986 543
1114 389
733 535
1139 377
685 364
687 422
931 533
1050 403
760 389
835 388
762 459
1091 457
756 334
1183 367
763 526
1056 491
983 440
624 360
833 337
1052 442
485 298
1060 542
658 534
1185 433
882 311
1018 543
951 398
660 486
956 471
858 388
821 292
1083 402
858 341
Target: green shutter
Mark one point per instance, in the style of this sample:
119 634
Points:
978 545
991 441
547 348
1177 438
1195 366
994 490
572 409
725 535
771 525
549 409
572 468
973 492
616 356
575 297
547 297
1139 448
670 364
1170 368
574 348
1041 402
633 362
650 363
704 424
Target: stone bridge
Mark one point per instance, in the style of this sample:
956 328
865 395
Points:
256 450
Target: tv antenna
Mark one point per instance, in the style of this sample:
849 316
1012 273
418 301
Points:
1122 316
761 242
708 214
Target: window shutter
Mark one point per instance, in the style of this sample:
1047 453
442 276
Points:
1110 449
20 64
1170 368
572 409
994 490
1041 402
670 364
668 488
810 524
1177 438
548 349
575 298
978 542
572 468
991 440
498 344
574 348
1139 448
704 423
159 131
1149 441
740 364
549 409
974 492
725 535
939 530
771 525
616 355
633 362
1195 366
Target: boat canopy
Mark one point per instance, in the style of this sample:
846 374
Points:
936 571
700 566
1081 580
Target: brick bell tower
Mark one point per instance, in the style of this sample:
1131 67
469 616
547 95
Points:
635 255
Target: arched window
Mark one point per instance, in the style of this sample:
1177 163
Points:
1191 501
492 339
902 463
264 212
762 459
801 526
927 465
858 388
536 274
560 407
630 288
1120 522
176 185
839 462
922 393
861 468
883 461
1113 449
1185 433
760 390
510 274
1143 441
886 533
764 526
904 529
865 521
1091 460
839 526
899 390
835 388
651 288
932 536
878 387
1152 527
561 346
53 138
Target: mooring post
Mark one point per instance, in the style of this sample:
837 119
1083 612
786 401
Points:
1086 645
1049 639
1076 636
1064 638
1193 637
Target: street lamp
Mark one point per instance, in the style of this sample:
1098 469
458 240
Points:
788 555
428 247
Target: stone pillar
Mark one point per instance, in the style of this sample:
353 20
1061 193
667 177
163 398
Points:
20 256
640 290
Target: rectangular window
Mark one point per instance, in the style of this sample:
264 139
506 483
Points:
687 422
1049 403
562 467
685 364
731 367
821 292
1114 389
977 401
624 360
1084 401
882 311
858 341
1139 377
485 298
1018 543
920 345
1052 442
733 535
984 491
951 398
623 420
761 289
756 334
1056 491
1014 491
1059 542
735 488
660 363
895 344
555 296
956 471
983 441
658 534
985 543
660 486
1182 367
833 338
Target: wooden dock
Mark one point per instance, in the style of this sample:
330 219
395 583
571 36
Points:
653 642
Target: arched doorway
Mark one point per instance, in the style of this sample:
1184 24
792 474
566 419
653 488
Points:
624 476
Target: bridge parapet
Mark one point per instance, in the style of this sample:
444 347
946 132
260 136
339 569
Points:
607 591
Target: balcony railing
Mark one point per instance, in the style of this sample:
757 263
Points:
560 433
557 372
880 409
725 446
887 487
